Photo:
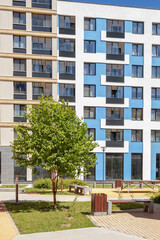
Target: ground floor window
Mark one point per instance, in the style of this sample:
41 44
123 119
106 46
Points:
21 172
114 166
136 166
40 173
91 176
158 166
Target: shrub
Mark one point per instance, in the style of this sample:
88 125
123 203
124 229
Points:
47 184
156 198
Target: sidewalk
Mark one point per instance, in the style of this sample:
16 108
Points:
7 230
79 234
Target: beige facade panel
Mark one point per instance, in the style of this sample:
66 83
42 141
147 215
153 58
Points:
27 56
6 136
10 124
54 91
54 69
6 111
14 101
27 9
28 33
29 91
6 90
6 43
6 19
6 2
27 79
6 66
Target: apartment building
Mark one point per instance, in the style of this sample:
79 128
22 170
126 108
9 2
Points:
104 59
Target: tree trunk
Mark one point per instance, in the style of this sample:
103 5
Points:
61 184
54 190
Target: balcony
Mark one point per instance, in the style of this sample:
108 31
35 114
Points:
42 74
41 29
42 4
115 34
19 50
115 100
42 51
19 119
119 144
119 122
66 54
115 57
21 3
67 98
69 31
67 76
20 96
19 26
115 79
19 73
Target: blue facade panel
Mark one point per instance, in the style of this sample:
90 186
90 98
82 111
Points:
155 104
155 61
128 26
99 167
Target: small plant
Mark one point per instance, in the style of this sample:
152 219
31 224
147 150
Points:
156 198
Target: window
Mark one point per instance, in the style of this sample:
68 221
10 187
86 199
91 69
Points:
41 3
89 113
114 92
67 45
115 70
137 71
137 92
91 131
41 43
89 46
19 67
41 22
19 3
19 42
67 67
155 93
136 172
155 136
67 90
114 165
89 90
137 114
114 135
155 114
21 172
155 50
67 22
90 24
19 113
155 72
115 26
89 69
138 27
156 28
19 90
137 49
114 113
41 66
19 18
115 48
136 135
41 88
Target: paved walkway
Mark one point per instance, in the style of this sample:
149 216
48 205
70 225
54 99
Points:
135 222
79 234
7 230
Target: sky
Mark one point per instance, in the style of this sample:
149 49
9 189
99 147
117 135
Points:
131 3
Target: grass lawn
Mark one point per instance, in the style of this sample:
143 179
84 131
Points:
12 186
31 217
48 192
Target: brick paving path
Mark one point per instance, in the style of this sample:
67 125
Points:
135 222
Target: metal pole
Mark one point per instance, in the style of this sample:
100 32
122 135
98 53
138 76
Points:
16 189
103 165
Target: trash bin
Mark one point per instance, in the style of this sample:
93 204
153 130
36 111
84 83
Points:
99 204
118 183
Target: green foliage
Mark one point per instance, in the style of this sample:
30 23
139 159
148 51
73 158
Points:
156 198
45 183
55 139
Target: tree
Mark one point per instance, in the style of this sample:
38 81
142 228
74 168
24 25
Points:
55 139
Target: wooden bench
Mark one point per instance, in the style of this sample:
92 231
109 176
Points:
83 189
105 183
73 186
148 204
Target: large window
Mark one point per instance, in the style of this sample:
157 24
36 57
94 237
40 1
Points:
155 93
67 25
158 166
137 49
114 166
137 136
114 92
114 135
19 67
115 26
19 44
89 46
41 22
19 90
156 28
114 113
67 68
42 68
115 70
115 48
89 112
155 50
155 136
155 72
41 89
138 27
155 114
19 3
136 172
89 90
90 24
42 3
19 18
91 131
66 90
137 71
89 69
66 47
137 92
137 114
19 113
41 45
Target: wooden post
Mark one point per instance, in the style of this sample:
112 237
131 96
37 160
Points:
61 184
17 189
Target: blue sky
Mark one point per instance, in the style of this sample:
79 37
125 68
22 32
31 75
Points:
132 3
